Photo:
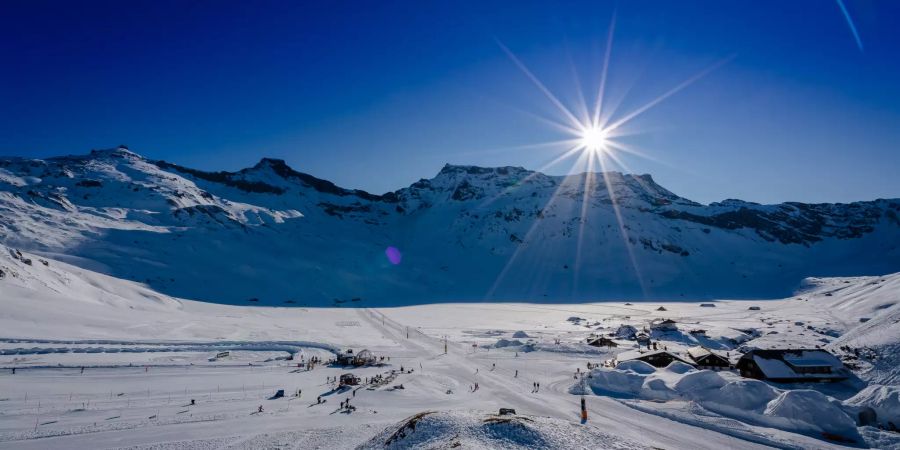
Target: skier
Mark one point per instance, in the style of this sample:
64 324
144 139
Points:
260 409
517 374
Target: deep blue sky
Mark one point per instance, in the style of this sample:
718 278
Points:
375 95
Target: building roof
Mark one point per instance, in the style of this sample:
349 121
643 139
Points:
698 353
783 363
640 354
601 340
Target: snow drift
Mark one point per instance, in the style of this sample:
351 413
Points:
755 402
472 430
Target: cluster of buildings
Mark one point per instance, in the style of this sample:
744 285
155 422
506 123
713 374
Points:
783 365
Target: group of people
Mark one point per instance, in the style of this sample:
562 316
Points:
310 364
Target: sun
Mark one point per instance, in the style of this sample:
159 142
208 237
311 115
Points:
594 139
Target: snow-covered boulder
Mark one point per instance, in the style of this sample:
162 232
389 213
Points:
520 335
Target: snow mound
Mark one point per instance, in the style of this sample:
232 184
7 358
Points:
501 343
811 411
884 400
679 367
626 332
751 401
657 389
636 366
615 381
471 430
696 383
520 335
746 395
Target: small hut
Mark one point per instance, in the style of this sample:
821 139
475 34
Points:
346 358
705 358
656 358
600 341
348 379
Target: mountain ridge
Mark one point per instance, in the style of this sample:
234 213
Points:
469 233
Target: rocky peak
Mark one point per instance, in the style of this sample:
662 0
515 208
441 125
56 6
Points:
121 151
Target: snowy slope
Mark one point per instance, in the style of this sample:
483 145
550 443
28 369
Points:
48 300
280 237
57 317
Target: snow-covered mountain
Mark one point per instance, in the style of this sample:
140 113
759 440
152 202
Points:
272 235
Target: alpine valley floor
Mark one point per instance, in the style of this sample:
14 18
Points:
147 356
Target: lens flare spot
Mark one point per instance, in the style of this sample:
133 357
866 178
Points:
393 255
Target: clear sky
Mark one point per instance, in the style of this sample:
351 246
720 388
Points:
375 95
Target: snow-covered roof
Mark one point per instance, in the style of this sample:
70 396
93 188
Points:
812 358
638 354
783 364
701 352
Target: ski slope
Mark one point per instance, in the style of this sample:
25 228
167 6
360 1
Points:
147 355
